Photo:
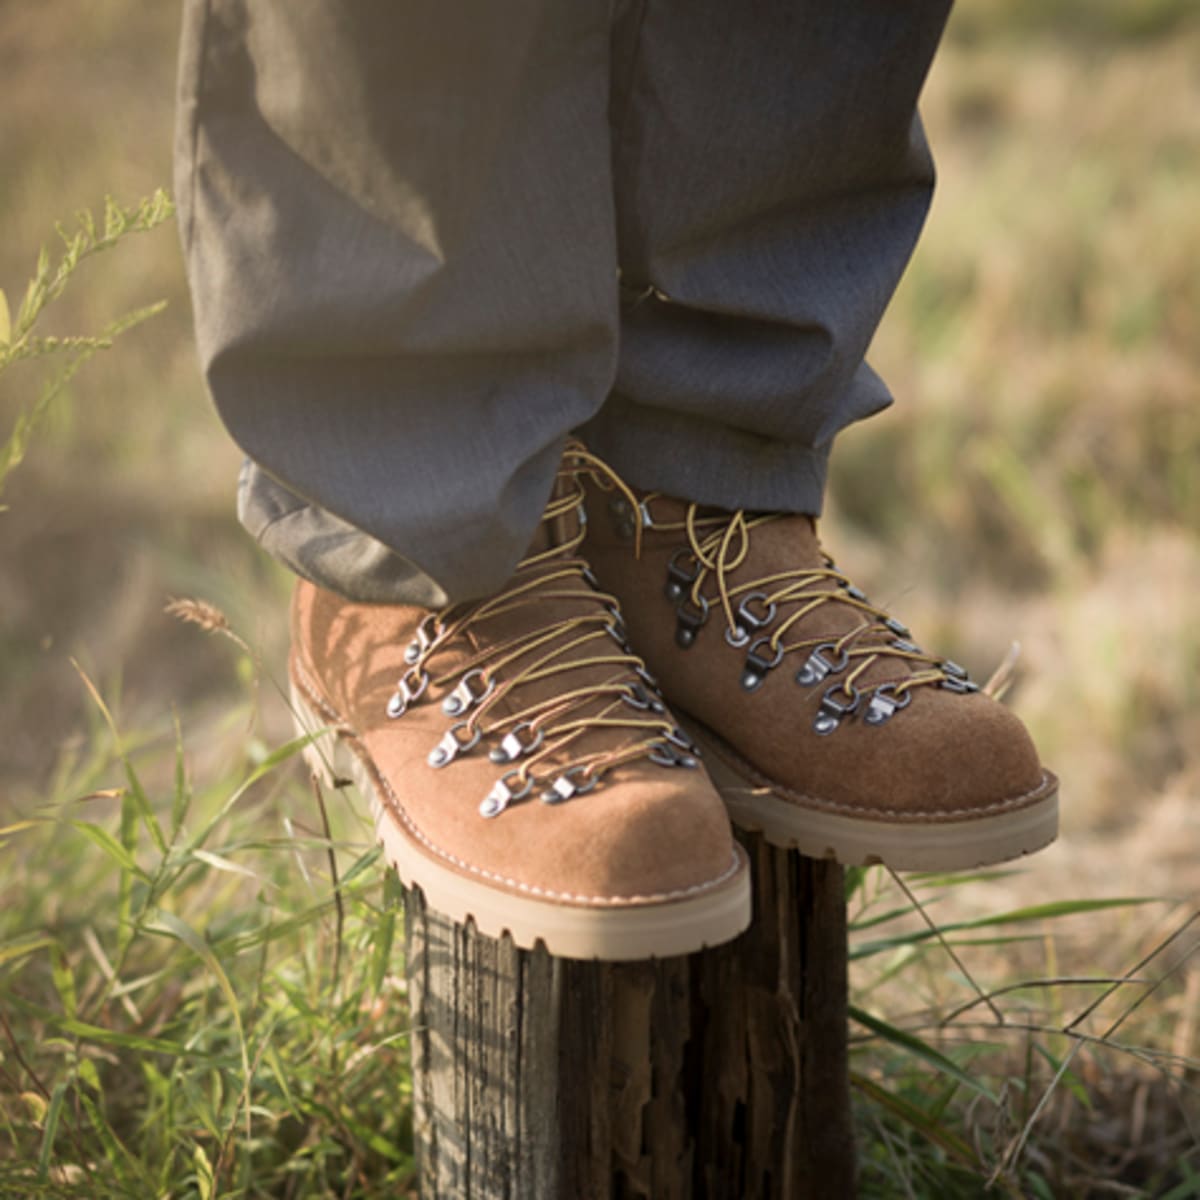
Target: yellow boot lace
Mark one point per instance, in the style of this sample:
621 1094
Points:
764 615
548 737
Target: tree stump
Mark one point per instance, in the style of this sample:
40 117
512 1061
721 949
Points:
719 1075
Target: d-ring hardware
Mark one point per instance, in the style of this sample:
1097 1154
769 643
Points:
503 794
757 666
466 695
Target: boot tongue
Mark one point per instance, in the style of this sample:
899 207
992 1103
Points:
786 544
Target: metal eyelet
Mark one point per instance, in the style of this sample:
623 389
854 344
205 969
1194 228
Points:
748 621
589 577
956 678
905 647
503 794
677 737
667 755
690 616
639 697
618 635
757 667
817 667
464 696
833 711
643 673
678 579
426 635
963 686
751 620
566 788
885 703
409 690
451 745
897 627
855 593
621 516
615 628
514 746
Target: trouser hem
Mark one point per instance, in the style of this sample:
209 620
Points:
705 461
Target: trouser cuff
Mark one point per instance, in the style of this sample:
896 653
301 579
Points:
705 461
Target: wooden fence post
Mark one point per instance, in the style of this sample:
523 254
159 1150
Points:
719 1076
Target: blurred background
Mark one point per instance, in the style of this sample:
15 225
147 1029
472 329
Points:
1038 480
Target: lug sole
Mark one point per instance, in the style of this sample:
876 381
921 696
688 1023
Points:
624 931
758 805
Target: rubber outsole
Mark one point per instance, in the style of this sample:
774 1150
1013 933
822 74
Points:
758 805
623 930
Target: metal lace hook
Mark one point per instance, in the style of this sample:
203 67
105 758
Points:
427 633
503 794
409 689
690 617
465 695
748 621
452 745
679 580
515 745
833 711
757 666
818 665
566 787
884 703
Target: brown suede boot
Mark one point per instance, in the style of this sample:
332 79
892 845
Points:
822 722
522 768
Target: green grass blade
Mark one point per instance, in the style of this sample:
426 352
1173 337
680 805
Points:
127 1169
22 946
381 950
121 1041
220 863
1037 912
181 797
364 862
141 805
50 1131
928 1125
174 926
64 980
278 756
1189 1189
922 1050
113 848
1067 1077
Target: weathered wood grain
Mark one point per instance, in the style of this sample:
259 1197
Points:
720 1075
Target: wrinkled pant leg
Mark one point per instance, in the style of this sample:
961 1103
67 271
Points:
399 233
771 180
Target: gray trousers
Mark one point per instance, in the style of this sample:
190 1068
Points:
427 239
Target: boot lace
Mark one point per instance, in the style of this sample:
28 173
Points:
548 738
764 615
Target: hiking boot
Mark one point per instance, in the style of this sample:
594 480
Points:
823 723
522 768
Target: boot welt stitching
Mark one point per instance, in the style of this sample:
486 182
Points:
1043 791
394 803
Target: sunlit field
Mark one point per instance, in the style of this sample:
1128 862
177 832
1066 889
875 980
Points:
200 987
